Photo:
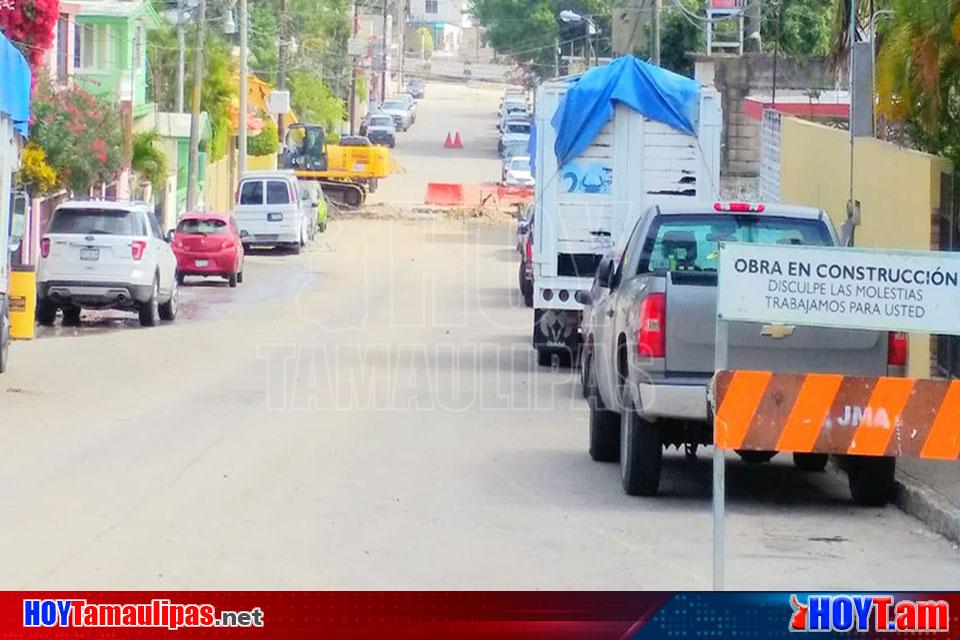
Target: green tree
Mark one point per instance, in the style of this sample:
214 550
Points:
918 73
148 159
527 30
314 102
265 143
79 133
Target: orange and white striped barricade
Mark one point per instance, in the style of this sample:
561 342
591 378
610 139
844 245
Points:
789 410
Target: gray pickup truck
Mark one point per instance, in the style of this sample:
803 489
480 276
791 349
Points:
649 347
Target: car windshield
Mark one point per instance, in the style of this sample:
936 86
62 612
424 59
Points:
205 226
518 127
519 163
394 104
381 121
692 242
110 222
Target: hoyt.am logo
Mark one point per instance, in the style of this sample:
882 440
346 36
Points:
868 613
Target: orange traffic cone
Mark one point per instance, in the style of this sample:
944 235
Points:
449 143
457 142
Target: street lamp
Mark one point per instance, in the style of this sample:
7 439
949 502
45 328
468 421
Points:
572 17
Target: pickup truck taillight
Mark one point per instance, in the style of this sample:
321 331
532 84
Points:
44 247
897 349
137 248
528 249
652 327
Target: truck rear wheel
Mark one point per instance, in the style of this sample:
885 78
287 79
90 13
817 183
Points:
641 455
871 480
604 426
756 457
810 461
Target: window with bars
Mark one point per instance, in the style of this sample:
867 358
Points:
432 6
93 47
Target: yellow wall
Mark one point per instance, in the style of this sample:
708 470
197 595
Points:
220 185
898 190
262 163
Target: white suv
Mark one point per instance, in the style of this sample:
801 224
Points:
105 255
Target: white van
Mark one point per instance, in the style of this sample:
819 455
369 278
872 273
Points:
273 211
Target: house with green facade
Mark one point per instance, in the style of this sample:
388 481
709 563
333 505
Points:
110 51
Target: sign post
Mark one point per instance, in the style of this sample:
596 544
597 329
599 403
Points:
837 288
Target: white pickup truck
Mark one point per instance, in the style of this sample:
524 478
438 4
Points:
586 208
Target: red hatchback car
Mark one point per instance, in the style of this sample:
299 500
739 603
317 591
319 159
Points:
208 244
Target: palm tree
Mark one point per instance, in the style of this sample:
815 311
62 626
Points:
918 71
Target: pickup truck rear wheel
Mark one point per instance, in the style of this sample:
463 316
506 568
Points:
604 426
871 480
810 461
756 457
641 455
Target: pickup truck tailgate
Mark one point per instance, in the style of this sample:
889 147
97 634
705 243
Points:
691 335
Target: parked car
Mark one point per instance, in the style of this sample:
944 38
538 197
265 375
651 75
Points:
272 211
516 172
514 104
417 88
354 141
515 115
208 244
653 360
105 255
514 132
382 130
411 105
515 148
525 274
397 109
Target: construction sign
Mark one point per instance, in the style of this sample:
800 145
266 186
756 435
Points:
824 413
841 288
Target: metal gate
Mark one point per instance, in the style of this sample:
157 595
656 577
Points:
770 157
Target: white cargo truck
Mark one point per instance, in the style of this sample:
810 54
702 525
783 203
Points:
14 112
586 208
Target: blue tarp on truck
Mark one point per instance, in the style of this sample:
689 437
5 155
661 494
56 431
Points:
14 85
648 89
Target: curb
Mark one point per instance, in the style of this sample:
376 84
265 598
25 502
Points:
927 506
918 500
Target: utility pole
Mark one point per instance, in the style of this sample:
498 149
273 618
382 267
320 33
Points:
657 8
401 28
193 158
556 56
242 117
182 56
282 65
353 80
383 74
752 19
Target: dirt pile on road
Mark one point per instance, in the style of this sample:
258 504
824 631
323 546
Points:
387 211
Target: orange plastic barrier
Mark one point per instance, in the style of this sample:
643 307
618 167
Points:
444 194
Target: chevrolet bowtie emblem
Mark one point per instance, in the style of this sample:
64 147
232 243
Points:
777 331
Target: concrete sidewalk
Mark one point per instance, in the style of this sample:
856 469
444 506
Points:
930 491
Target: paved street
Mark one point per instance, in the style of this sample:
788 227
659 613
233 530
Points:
369 414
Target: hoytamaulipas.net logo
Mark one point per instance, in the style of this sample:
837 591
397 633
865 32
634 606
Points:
868 613
158 613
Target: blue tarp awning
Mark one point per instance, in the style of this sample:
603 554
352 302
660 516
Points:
648 89
14 85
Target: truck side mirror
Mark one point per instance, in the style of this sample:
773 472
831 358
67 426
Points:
18 219
605 273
